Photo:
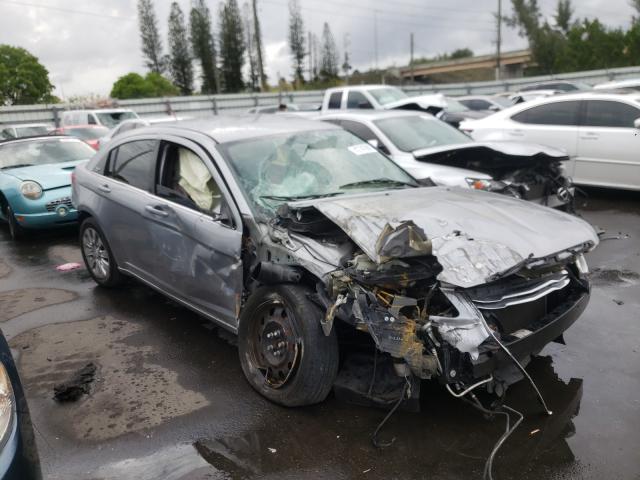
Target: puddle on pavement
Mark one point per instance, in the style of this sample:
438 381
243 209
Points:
447 440
131 392
173 463
18 302
65 254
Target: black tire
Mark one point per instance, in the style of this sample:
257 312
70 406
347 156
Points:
308 377
15 230
97 255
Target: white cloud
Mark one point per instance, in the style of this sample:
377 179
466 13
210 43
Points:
87 53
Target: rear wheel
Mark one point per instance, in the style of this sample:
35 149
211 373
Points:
15 230
283 352
98 256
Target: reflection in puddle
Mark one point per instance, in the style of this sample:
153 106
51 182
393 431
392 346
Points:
447 437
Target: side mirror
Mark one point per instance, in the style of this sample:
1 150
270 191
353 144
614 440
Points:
636 123
494 108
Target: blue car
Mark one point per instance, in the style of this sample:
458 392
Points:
35 181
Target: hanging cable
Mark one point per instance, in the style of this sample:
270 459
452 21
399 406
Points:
374 437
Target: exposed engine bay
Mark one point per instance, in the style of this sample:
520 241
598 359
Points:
527 175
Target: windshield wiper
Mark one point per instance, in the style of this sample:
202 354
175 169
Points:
17 166
378 181
285 198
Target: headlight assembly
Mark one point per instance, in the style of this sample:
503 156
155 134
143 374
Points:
31 190
7 406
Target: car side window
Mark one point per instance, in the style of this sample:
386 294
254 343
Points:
185 179
601 113
92 119
363 132
480 105
556 113
358 100
334 100
134 163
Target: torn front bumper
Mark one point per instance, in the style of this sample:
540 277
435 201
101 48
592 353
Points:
548 329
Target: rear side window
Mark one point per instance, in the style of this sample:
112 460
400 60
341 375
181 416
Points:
134 163
358 100
334 100
359 130
600 113
556 113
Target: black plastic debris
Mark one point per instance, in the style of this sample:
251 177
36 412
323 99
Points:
78 385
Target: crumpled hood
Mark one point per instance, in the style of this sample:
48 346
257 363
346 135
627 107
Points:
434 102
50 176
474 235
516 149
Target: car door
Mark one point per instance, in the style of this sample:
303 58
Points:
608 145
554 124
124 191
194 234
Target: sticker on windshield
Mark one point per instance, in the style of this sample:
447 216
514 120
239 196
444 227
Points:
361 149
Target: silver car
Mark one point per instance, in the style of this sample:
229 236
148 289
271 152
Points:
428 148
299 237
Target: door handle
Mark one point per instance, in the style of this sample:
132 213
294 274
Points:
156 210
518 133
104 188
590 136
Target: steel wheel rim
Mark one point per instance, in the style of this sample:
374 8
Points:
96 254
275 349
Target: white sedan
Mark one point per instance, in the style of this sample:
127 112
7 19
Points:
599 131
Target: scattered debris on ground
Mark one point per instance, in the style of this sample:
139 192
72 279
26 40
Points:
80 384
66 267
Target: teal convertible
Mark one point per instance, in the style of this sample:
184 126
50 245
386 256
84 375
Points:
35 181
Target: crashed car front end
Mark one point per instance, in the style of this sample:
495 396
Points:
459 306
528 171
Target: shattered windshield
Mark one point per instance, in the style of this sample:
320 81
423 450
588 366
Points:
415 132
276 169
387 95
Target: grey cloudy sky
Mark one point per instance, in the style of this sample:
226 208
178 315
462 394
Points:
86 46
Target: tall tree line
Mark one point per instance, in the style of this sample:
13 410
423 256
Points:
220 57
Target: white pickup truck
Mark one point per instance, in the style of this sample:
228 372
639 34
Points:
380 97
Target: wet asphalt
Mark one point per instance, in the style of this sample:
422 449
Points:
170 400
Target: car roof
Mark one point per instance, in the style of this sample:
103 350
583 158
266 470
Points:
228 128
361 87
105 110
36 137
372 114
64 127
21 125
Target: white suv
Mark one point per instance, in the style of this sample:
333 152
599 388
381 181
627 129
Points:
599 131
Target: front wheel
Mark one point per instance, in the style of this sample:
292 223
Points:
283 351
97 255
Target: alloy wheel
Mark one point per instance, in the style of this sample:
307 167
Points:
96 254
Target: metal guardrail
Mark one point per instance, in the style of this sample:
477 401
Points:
206 105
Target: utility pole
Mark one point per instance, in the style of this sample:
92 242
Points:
375 35
411 57
310 45
346 66
258 35
499 41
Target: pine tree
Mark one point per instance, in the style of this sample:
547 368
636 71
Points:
329 55
247 19
232 47
258 39
179 55
151 42
203 45
296 40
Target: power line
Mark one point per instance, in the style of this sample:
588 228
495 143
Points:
68 10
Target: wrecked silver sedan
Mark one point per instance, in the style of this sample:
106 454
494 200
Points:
310 245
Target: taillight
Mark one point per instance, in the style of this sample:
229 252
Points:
73 178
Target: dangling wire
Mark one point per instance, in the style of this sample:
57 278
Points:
374 438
